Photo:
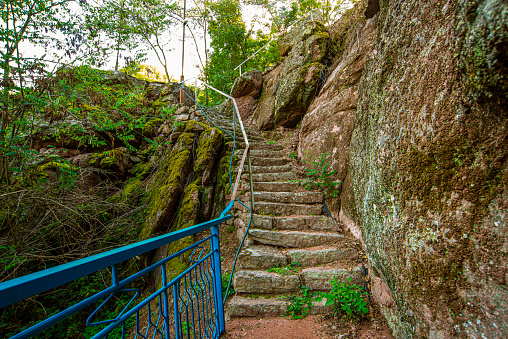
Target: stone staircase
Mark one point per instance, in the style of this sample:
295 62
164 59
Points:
287 227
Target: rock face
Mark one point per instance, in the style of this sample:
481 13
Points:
429 167
246 90
290 88
169 93
328 125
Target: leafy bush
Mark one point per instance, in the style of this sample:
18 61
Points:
346 297
300 304
225 281
319 177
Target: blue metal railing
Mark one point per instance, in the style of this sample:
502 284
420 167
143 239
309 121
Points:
196 293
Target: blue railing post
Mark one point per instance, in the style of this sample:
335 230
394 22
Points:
165 299
176 296
217 278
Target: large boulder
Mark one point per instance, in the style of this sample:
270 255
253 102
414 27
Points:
429 167
246 90
248 84
169 93
289 89
328 125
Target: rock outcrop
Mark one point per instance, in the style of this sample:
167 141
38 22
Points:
413 114
429 167
328 125
289 89
246 90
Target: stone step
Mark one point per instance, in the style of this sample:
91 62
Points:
268 306
275 186
256 145
266 169
276 209
266 177
263 161
298 239
262 153
321 255
300 222
261 257
266 257
318 278
314 278
287 197
254 281
266 153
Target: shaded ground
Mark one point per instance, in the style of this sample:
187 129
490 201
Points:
312 327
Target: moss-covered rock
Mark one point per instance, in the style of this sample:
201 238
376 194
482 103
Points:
288 90
210 144
428 166
167 185
187 217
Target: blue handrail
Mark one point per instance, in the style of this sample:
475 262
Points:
27 286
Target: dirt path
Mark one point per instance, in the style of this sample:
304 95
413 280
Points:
312 327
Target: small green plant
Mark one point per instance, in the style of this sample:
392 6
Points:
293 155
300 304
292 268
319 177
348 298
186 327
225 281
231 228
271 142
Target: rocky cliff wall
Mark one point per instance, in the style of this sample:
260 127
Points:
429 167
413 114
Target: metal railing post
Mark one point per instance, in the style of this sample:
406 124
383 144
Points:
251 185
165 300
176 293
217 278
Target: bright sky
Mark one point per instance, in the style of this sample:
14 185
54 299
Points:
192 68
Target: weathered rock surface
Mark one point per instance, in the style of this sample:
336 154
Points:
328 125
265 282
294 238
428 167
169 93
246 90
289 89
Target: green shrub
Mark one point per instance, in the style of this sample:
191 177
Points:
347 298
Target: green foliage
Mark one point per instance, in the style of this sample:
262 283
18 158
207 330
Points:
232 43
225 280
186 327
300 304
346 297
28 312
319 177
293 155
292 268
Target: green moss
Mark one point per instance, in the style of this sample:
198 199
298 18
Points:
167 185
151 126
106 159
210 143
57 165
141 170
193 125
187 217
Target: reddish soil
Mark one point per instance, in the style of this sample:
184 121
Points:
312 327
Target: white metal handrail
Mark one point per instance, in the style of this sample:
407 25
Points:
296 22
246 153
